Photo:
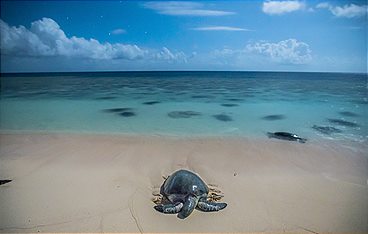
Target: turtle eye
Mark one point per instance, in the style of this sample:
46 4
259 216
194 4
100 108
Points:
198 192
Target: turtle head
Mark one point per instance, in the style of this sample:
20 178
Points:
198 192
188 207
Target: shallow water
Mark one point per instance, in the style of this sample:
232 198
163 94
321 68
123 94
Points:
226 103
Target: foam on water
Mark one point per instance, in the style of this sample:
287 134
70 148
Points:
226 103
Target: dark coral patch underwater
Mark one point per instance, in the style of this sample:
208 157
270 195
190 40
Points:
348 113
127 114
235 99
229 104
105 98
151 103
273 117
328 130
117 110
223 117
202 96
343 122
183 114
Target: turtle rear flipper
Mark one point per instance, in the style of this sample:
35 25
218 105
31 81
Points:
169 208
302 140
207 206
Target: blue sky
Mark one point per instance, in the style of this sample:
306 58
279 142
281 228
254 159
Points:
184 35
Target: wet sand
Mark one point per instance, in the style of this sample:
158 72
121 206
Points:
104 183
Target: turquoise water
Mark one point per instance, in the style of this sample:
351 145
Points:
312 105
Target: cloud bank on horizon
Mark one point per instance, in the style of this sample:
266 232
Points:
193 36
45 38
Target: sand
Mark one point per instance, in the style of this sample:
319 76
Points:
103 183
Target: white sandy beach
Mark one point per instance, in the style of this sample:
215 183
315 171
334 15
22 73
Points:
101 183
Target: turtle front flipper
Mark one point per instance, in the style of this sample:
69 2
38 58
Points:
169 208
207 206
188 207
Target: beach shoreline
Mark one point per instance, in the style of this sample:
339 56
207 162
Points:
104 183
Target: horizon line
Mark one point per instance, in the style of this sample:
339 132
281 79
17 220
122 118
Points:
137 71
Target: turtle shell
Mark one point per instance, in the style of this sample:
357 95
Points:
183 183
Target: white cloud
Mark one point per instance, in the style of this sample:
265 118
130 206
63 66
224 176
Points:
45 38
348 11
323 5
281 7
287 51
220 28
166 54
21 41
183 8
118 31
227 52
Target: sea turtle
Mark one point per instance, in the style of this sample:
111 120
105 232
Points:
286 136
185 191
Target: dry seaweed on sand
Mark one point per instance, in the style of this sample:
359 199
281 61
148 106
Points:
214 194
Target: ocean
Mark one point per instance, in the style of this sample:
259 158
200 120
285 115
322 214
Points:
247 104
